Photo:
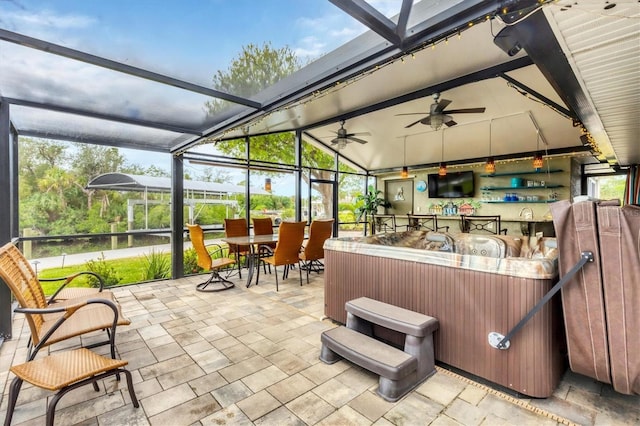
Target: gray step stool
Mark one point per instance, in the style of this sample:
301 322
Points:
400 371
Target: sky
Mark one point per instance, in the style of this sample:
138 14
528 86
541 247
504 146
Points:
189 39
185 39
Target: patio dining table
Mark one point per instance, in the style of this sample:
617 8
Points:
254 242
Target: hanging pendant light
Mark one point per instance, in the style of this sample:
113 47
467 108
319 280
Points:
442 171
267 184
538 161
490 165
405 170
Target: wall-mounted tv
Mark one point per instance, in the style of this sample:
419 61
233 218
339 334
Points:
453 185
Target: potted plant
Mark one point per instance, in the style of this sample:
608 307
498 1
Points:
370 203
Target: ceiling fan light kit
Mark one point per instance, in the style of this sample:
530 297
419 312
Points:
437 115
343 137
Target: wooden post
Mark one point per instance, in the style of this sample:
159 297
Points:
27 245
114 238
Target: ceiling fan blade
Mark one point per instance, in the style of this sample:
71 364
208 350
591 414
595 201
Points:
413 124
442 104
465 110
362 141
336 140
426 120
348 135
450 123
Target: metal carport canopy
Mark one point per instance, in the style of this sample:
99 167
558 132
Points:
129 182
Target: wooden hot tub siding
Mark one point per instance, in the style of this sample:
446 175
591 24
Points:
468 304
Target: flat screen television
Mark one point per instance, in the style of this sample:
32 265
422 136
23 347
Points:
453 185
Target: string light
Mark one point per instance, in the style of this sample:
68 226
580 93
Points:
267 184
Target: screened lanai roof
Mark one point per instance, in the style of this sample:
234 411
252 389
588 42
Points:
536 67
129 182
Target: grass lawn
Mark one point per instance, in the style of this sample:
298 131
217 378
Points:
129 270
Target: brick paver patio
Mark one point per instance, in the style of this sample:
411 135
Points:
250 356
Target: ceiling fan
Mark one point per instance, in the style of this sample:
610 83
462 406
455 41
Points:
438 116
343 138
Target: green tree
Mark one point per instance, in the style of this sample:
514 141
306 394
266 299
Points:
91 161
254 69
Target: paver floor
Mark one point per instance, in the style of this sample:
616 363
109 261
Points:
250 356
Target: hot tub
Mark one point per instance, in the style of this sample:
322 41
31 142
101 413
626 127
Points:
473 285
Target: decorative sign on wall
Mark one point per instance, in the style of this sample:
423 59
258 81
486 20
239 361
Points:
399 192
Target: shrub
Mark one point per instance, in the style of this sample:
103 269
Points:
156 266
102 268
191 262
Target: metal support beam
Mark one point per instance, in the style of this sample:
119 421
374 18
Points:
539 95
100 116
298 176
177 217
369 16
56 49
8 178
403 18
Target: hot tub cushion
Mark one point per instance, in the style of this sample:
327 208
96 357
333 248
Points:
479 245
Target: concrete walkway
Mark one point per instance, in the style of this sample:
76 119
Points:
82 258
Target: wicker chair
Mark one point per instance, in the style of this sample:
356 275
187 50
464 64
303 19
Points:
207 262
290 237
237 228
64 372
313 251
64 292
54 321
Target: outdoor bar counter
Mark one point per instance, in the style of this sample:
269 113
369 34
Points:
473 285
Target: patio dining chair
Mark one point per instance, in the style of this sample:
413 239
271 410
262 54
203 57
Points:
58 320
237 228
490 224
264 226
208 261
313 250
424 222
384 223
290 237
